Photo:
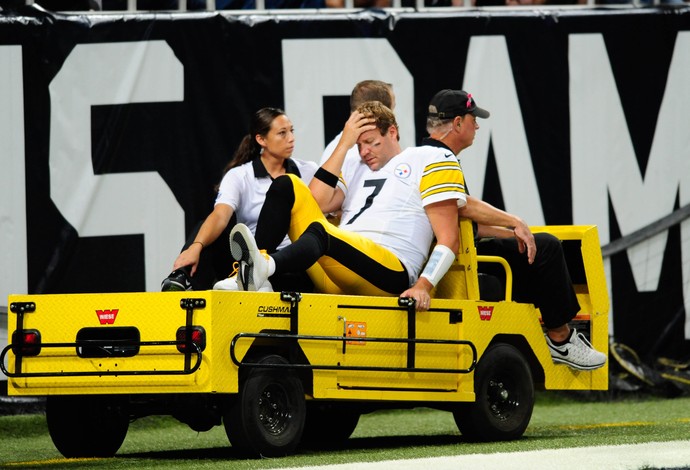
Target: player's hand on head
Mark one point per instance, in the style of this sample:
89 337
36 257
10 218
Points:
355 126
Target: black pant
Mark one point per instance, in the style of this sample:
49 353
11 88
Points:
216 263
545 283
215 260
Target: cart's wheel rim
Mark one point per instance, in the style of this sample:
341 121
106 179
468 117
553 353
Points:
503 398
274 409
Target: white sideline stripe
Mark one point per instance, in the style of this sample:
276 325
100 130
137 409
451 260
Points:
629 456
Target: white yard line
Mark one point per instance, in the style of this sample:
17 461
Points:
634 456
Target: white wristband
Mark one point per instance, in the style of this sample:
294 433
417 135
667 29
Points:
440 260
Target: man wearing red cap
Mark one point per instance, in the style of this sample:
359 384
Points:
541 275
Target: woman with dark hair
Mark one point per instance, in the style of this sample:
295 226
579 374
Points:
263 155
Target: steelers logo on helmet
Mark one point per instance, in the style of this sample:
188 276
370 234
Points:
403 171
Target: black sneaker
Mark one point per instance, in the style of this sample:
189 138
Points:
177 280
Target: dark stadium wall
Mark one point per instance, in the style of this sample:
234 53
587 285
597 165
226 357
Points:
115 128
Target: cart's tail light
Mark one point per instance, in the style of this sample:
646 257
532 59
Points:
198 337
26 343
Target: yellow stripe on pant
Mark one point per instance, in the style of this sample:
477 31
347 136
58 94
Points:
328 275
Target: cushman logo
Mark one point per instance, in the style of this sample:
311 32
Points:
485 313
273 309
107 317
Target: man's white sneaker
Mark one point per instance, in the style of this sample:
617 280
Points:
230 282
253 267
577 353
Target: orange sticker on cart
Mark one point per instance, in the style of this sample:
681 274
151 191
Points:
356 329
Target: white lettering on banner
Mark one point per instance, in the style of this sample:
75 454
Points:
13 255
114 204
314 68
604 164
489 77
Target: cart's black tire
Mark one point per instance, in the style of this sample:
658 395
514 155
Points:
504 397
87 425
267 417
328 425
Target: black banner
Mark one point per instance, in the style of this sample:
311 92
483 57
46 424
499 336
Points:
114 129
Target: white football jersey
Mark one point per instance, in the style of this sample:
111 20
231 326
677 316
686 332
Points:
387 206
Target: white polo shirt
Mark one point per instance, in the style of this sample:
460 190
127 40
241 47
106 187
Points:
244 188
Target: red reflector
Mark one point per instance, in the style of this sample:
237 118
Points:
26 343
198 337
32 338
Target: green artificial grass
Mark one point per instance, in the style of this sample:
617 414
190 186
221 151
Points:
558 421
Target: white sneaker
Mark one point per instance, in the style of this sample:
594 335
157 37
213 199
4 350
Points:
230 282
577 353
253 267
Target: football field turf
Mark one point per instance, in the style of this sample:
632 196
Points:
632 433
